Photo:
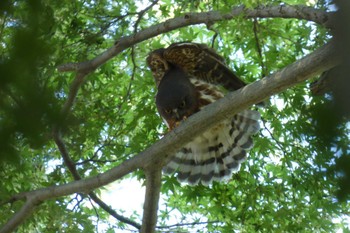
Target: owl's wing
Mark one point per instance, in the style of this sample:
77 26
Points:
158 65
203 63
215 154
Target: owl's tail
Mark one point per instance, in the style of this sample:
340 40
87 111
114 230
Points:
218 152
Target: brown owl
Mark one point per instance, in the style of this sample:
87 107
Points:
188 77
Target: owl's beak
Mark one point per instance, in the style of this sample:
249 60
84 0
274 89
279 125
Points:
176 114
178 120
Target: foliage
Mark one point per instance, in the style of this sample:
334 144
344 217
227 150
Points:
288 184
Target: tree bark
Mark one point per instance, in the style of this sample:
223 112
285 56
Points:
150 206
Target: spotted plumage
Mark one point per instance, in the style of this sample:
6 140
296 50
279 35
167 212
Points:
188 76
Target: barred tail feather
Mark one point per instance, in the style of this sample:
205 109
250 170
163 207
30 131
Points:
214 155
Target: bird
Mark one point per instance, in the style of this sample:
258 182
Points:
189 76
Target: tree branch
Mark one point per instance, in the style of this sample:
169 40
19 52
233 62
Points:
186 224
157 155
326 83
317 62
259 48
25 212
112 212
210 17
73 92
150 207
72 168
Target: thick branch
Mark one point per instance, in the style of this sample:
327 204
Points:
315 63
210 17
150 207
282 11
25 212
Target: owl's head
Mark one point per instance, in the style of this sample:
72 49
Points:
177 98
158 65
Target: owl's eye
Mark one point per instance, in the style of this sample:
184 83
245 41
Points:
167 111
183 104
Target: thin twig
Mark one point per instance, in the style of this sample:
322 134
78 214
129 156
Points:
258 47
72 168
112 212
141 14
186 224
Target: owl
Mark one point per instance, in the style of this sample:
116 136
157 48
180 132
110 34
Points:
189 76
